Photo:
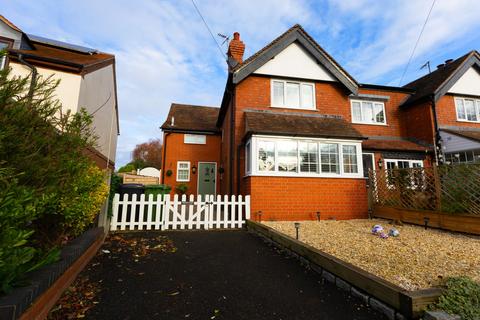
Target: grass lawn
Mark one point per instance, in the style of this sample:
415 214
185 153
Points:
416 259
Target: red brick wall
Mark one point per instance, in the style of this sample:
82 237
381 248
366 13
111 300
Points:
447 114
178 151
287 198
419 123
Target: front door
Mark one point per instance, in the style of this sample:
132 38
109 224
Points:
207 174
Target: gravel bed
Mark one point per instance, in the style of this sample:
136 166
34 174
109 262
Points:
416 259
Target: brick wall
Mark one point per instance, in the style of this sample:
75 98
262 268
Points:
418 120
178 151
287 198
447 114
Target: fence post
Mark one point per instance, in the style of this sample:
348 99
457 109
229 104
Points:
247 208
114 222
438 188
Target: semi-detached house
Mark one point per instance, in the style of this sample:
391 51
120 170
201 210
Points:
298 133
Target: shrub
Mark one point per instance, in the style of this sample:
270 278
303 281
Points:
462 297
50 190
181 188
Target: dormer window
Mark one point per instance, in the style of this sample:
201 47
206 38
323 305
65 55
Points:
368 112
293 95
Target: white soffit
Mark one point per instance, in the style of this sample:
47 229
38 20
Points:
294 61
468 84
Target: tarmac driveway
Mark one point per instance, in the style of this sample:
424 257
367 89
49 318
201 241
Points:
210 275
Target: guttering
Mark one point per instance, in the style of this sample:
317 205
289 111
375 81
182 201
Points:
164 155
33 81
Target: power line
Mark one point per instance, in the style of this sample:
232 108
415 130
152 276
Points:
416 43
209 31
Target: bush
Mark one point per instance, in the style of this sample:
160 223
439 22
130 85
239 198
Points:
50 191
181 188
462 297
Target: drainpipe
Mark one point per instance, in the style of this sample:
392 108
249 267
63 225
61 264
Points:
232 141
239 149
33 81
164 156
437 145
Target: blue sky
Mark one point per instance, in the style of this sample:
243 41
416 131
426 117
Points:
164 53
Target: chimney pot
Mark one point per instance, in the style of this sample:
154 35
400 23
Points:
448 61
236 36
440 66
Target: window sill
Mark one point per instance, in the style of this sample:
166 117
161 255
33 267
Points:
468 121
371 124
304 175
292 108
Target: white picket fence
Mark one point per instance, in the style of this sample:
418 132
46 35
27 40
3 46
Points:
193 212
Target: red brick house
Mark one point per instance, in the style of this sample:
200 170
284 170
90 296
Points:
298 133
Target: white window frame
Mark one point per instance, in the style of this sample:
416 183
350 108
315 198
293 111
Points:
248 156
194 138
410 162
373 161
300 83
476 103
254 158
178 170
384 123
3 59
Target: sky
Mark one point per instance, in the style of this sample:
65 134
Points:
165 54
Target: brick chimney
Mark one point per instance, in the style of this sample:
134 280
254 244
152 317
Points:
236 48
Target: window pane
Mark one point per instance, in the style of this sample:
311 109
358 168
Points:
287 156
367 112
350 159
368 162
308 157
278 96
460 109
307 96
293 95
356 112
248 158
329 158
379 114
266 156
2 58
470 110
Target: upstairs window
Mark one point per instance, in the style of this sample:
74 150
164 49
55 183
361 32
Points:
194 139
467 109
368 112
294 95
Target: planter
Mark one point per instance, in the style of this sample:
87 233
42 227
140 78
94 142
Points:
48 283
389 298
453 222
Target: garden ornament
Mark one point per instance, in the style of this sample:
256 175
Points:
393 232
377 228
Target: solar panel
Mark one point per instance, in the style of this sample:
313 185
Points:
61 44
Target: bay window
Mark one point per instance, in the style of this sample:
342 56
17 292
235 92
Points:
3 58
368 112
467 109
303 157
292 94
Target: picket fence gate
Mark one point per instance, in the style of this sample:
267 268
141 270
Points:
193 212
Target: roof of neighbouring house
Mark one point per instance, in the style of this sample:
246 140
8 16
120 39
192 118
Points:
469 134
9 23
432 83
306 125
295 33
393 145
193 118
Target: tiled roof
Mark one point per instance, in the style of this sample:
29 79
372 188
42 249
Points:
393 145
307 125
429 84
191 118
469 134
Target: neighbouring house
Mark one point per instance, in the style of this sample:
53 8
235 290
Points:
87 80
298 133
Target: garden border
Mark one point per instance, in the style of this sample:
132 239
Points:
392 300
452 222
48 283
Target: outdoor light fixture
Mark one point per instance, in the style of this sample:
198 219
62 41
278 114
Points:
259 214
194 169
297 226
380 163
318 215
426 220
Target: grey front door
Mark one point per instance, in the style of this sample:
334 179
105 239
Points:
207 174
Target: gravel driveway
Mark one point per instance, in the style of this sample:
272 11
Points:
206 275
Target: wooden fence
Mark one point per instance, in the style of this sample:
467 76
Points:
451 189
193 212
